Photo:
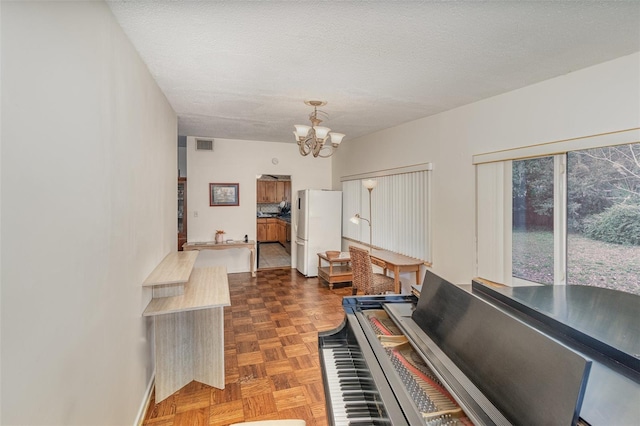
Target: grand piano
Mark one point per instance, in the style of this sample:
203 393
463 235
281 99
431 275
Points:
485 355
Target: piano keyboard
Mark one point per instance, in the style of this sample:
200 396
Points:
351 390
353 395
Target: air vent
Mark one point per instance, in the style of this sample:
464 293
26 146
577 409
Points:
204 144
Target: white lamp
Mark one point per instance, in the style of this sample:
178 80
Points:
369 184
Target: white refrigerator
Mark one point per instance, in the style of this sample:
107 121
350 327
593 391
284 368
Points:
318 227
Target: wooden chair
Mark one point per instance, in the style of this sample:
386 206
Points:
363 277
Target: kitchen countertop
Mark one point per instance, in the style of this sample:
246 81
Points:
286 218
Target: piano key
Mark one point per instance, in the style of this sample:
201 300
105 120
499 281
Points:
351 389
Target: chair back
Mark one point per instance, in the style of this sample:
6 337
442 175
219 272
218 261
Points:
361 269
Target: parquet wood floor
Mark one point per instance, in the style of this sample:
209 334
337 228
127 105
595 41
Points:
272 367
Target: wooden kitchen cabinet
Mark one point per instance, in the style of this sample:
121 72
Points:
260 191
279 191
272 192
261 230
287 190
267 230
283 191
272 229
282 232
266 191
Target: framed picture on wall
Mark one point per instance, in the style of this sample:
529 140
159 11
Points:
224 194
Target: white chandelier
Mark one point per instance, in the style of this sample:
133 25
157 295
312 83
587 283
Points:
312 139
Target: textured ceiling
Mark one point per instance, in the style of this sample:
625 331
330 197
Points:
242 69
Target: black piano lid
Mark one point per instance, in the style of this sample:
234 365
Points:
603 319
613 389
530 377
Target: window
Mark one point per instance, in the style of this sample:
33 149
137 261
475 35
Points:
532 220
399 211
603 217
569 218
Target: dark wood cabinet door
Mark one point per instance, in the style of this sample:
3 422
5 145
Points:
272 232
279 191
270 189
182 212
262 232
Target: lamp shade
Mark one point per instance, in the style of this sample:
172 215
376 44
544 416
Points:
301 130
336 138
369 183
322 132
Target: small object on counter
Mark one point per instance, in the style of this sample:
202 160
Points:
246 239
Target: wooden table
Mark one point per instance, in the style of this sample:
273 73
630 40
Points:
188 323
387 260
338 270
397 263
212 245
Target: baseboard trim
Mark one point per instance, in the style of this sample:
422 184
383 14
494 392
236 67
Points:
146 401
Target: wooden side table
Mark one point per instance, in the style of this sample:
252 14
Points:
337 271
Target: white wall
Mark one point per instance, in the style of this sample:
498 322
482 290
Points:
238 161
1 97
88 210
598 99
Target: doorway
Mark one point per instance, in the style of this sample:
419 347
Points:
273 215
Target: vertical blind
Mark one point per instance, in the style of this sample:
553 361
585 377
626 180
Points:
351 195
399 213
